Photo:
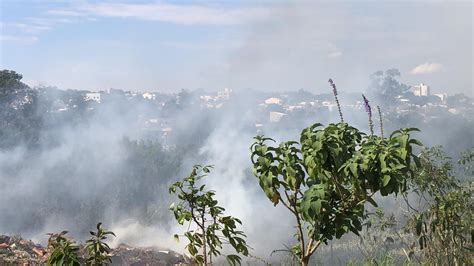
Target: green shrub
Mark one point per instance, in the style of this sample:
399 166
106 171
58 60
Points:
211 227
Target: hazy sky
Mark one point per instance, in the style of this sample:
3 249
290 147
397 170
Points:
270 45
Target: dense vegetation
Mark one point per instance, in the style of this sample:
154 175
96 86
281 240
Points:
334 180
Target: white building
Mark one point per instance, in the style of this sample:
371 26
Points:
166 131
273 101
207 98
149 96
442 96
275 117
329 105
225 94
421 90
92 96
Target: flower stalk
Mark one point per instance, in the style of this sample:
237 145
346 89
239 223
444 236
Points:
368 109
380 120
334 91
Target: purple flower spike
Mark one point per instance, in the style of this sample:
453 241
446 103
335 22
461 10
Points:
334 90
368 109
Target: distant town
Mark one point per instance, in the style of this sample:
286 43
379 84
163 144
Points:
270 108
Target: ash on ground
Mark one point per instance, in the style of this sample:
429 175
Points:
17 251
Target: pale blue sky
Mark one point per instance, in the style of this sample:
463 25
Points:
270 45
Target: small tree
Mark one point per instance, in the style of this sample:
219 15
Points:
63 251
212 228
99 251
442 218
326 178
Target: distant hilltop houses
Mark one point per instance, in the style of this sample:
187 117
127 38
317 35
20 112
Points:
92 96
273 100
215 100
149 96
274 109
220 95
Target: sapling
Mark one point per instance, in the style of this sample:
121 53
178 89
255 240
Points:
208 228
99 251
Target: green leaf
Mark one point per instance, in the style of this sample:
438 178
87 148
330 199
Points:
316 206
353 167
385 180
415 142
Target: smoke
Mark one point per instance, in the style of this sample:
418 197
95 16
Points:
86 172
60 180
227 148
89 168
96 168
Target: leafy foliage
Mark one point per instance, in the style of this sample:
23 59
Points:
325 179
19 122
97 248
442 220
63 250
212 227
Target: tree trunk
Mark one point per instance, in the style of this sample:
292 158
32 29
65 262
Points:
204 247
204 238
304 261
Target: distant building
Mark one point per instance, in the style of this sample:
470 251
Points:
206 98
421 90
276 116
224 94
130 94
92 96
329 105
273 101
166 131
442 96
149 96
453 111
